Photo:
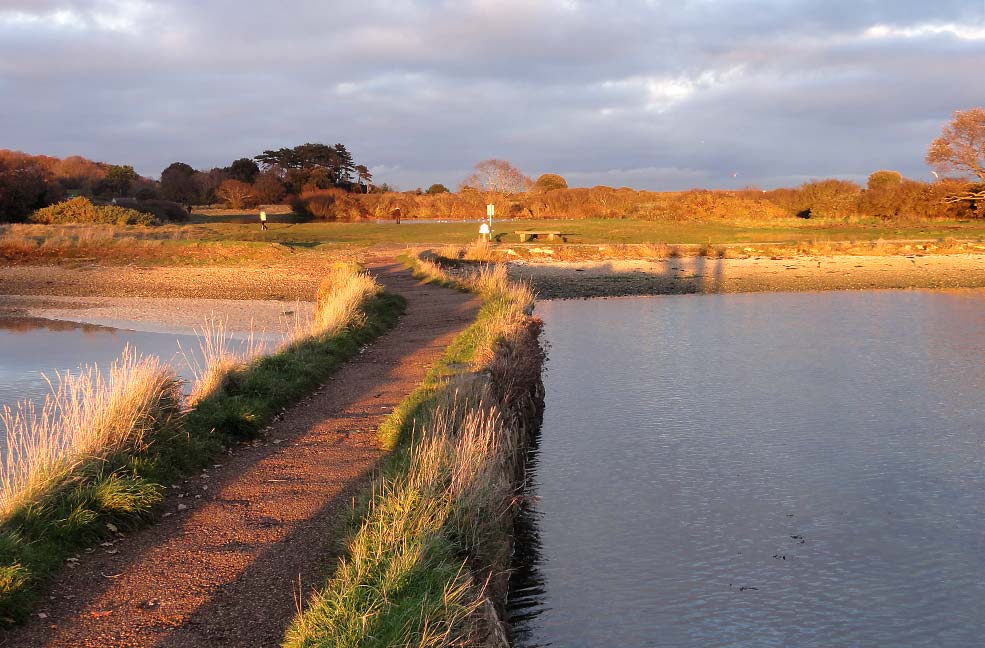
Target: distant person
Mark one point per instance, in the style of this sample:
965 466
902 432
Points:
395 214
485 234
263 221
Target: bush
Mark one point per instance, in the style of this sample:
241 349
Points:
330 205
82 210
819 199
162 210
550 182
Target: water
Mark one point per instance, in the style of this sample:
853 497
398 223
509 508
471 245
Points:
32 348
759 470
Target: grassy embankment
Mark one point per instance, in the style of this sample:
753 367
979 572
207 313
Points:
426 563
95 458
225 240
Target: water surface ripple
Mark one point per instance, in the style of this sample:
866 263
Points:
759 470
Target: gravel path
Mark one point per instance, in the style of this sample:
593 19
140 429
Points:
223 569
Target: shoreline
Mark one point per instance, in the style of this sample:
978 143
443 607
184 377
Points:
179 315
700 275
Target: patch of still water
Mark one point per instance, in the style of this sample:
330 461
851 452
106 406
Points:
33 350
758 470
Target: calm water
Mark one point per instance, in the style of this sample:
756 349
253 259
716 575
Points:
759 470
31 349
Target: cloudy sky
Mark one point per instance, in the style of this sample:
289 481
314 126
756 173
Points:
641 93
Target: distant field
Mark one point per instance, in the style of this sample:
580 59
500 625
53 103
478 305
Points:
236 239
578 231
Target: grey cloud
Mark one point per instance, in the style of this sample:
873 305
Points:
654 94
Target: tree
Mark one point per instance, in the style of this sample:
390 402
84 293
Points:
244 170
178 183
497 176
961 146
269 188
119 177
363 176
235 193
333 165
437 188
24 185
550 182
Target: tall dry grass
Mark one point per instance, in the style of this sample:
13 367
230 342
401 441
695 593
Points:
87 417
339 300
216 358
338 306
403 583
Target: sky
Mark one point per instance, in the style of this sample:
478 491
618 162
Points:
640 93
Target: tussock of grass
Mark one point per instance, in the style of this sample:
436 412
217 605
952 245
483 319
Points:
100 449
433 545
87 418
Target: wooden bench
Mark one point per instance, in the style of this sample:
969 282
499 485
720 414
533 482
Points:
527 235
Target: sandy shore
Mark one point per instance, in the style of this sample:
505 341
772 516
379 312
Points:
560 280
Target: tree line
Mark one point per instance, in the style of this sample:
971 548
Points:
324 181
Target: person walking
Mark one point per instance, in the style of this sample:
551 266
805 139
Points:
263 221
485 234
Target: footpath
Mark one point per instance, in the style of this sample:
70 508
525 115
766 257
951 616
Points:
246 540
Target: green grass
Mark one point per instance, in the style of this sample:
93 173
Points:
123 491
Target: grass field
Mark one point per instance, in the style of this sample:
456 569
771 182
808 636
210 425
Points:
583 231
232 239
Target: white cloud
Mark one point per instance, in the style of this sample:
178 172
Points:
119 16
969 33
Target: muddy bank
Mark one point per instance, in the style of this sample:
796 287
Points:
281 282
157 315
560 280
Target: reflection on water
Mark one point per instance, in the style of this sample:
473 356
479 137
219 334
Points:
32 348
759 470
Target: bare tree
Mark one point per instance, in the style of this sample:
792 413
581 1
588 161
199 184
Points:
961 146
235 193
497 176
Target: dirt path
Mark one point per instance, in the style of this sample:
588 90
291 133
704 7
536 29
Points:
225 570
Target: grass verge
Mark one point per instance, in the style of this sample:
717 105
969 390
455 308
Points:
427 560
95 459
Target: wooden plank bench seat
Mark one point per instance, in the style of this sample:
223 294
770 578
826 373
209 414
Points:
527 235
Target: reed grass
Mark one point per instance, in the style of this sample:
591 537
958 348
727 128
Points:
87 417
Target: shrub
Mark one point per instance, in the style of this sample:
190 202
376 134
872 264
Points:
82 210
819 199
330 205
162 210
550 182
884 180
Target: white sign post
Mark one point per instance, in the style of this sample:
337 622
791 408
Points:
490 212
